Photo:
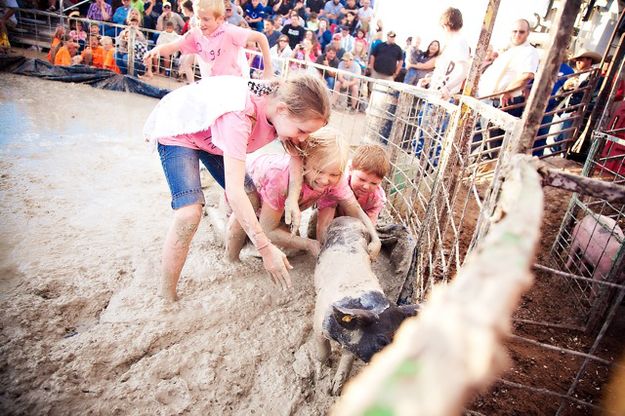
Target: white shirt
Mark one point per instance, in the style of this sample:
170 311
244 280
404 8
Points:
452 66
507 68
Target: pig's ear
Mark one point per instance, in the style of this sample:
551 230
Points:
410 310
353 318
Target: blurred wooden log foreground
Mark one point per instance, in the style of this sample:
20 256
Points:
454 347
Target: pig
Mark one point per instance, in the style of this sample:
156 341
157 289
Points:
351 307
598 244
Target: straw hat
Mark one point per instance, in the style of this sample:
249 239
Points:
585 53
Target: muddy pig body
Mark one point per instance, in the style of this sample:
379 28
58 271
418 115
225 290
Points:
597 244
351 307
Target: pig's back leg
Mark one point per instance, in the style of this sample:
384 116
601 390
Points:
342 373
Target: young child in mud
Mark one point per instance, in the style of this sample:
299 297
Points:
325 157
365 174
218 43
190 126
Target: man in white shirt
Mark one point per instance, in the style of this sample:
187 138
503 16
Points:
509 75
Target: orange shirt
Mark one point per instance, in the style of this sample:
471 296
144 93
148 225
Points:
97 56
55 42
63 57
109 61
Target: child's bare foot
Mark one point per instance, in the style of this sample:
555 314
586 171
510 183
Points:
168 292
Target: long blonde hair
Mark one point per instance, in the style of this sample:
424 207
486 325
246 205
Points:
325 147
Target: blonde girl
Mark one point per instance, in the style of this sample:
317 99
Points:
218 121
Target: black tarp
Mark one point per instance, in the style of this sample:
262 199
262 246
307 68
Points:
98 78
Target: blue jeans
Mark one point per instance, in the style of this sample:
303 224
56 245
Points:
182 171
330 81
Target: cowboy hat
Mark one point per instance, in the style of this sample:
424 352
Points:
584 53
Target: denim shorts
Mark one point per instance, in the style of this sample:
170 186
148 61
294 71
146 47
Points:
182 171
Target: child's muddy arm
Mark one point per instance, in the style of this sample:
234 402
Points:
353 209
292 213
324 218
270 221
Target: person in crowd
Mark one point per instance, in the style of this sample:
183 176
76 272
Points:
336 44
386 60
152 11
300 10
66 53
361 37
360 56
349 6
57 39
351 21
139 6
220 133
272 34
294 30
123 43
325 157
452 66
99 10
347 40
315 6
119 18
365 173
283 8
217 43
329 59
255 61
78 34
109 54
169 16
348 82
279 52
255 15
420 63
94 30
93 55
365 15
277 23
332 10
312 23
324 35
187 13
167 36
316 47
231 15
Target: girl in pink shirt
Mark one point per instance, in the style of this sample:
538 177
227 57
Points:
190 125
218 43
324 163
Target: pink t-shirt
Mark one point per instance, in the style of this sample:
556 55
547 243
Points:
220 50
270 174
233 134
371 203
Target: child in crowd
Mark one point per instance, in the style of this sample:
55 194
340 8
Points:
216 42
109 54
365 174
325 158
167 36
94 30
123 43
59 34
93 54
190 125
67 54
78 35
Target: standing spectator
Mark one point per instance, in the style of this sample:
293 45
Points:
385 61
281 50
323 33
452 66
187 13
93 55
169 16
272 34
255 15
365 14
332 10
348 82
347 40
329 59
294 30
231 16
119 17
109 54
99 11
419 63
336 44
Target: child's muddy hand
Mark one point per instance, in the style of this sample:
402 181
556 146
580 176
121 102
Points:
277 265
374 247
314 247
292 214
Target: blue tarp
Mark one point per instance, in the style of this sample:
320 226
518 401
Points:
98 78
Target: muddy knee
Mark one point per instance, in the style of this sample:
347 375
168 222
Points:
186 221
